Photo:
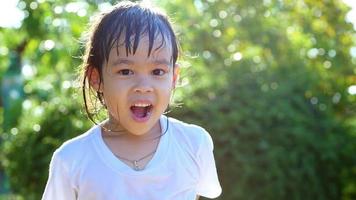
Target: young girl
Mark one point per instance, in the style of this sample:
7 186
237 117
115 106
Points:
137 153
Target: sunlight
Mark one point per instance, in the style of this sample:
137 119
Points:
10 15
351 15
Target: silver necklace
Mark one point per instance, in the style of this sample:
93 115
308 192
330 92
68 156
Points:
135 162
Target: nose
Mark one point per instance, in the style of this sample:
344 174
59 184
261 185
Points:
143 85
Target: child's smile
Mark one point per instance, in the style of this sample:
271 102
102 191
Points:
141 110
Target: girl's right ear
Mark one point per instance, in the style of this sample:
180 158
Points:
94 78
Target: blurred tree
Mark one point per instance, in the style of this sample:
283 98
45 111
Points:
51 112
12 89
270 83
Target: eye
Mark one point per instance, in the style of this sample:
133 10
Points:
158 72
125 72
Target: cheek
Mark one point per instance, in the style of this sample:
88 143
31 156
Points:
167 83
115 104
113 86
165 88
165 96
114 95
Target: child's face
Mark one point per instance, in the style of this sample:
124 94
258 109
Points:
137 88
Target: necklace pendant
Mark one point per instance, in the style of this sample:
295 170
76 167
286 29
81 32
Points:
136 167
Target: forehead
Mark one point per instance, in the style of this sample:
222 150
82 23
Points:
144 45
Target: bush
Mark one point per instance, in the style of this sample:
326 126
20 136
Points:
275 143
28 148
270 85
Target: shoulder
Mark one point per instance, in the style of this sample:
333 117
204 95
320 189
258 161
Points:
74 150
196 137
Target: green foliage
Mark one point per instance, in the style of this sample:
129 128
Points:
51 111
28 147
271 86
268 79
9 196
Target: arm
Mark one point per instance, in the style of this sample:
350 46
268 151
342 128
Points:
209 185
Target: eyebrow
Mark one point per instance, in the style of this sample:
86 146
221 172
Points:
130 62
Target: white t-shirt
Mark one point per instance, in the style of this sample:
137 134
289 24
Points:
183 166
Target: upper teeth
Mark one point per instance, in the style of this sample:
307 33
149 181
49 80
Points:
142 104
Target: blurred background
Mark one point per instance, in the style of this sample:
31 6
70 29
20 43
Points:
273 81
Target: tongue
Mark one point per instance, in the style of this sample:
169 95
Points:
139 111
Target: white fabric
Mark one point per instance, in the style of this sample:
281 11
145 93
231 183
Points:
183 166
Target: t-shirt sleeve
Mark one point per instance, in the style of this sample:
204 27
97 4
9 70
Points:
58 185
208 185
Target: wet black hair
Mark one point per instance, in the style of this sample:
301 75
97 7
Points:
126 22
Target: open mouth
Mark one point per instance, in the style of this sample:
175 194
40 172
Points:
141 110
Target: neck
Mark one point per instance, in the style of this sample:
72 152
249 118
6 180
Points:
112 128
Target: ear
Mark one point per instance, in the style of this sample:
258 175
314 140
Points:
94 78
176 73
